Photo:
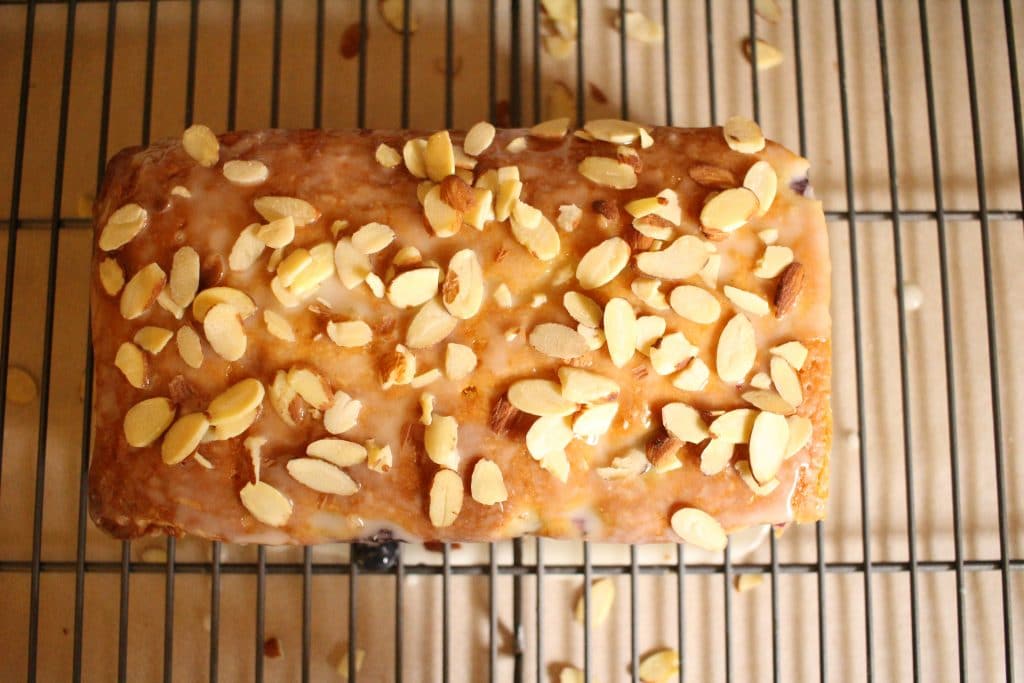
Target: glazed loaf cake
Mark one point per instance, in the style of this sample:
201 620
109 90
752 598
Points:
618 333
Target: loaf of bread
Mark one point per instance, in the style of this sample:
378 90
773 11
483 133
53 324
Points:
617 333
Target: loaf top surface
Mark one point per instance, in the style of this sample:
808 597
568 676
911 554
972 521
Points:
382 301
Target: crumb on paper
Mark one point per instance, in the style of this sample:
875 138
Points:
272 648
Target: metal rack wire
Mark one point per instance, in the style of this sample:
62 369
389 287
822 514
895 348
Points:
530 578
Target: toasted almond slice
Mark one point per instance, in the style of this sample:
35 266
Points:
208 298
145 421
277 233
239 399
695 304
164 300
729 209
201 144
427 408
787 382
372 237
602 596
278 326
771 263
762 181
761 380
351 265
505 196
338 452
747 301
281 397
557 463
397 367
583 386
443 219
439 157
343 414
539 397
387 156
641 28
659 667
425 378
111 276
526 215
608 173
378 458
375 284
742 468
247 249
229 429
794 352
615 131
224 332
620 331
737 350
413 287
557 341
394 14
132 364
769 235
649 292
152 339
245 172
122 226
800 430
672 353
190 347
481 209
275 208
683 258
459 361
769 10
183 437
478 139
431 324
633 464
350 334
712 177
548 435
516 145
543 241
716 456
768 56
445 498
321 476
503 296
583 309
553 129
743 135
698 528
649 329
487 485
254 445
709 273
594 421
184 280
734 425
441 441
694 377
283 294
141 291
768 440
311 386
768 401
464 162
266 504
413 154
684 423
321 268
602 263
463 288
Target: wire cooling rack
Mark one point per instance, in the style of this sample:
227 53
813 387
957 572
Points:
911 116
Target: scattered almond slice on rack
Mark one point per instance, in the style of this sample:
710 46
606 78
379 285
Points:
602 596
659 667
768 56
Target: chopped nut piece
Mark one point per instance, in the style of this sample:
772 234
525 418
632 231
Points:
791 283
569 217
729 209
553 129
683 258
439 156
503 296
583 309
122 227
747 301
375 284
111 276
478 139
557 463
630 157
734 426
800 430
602 263
350 333
633 464
387 156
557 341
245 172
649 329
431 324
343 413
743 135
794 352
165 302
183 438
602 595
620 331
459 361
141 291
147 420
768 440
224 332
189 347
152 339
768 56
506 194
321 476
321 268
762 181
672 353
695 304
662 452
737 350
427 408
771 263
247 249
132 364
647 290
201 144
487 485
275 208
716 456
694 377
413 287
266 504
206 464
445 498
684 423
712 177
608 173
398 367
593 421
480 210
659 667
526 215
664 205
698 528
516 145
311 386
787 383
761 380
338 452
539 397
208 298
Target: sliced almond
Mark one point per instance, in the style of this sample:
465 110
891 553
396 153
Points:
343 414
527 216
282 396
190 347
351 264
184 279
277 233
648 291
743 135
672 353
245 173
734 425
456 193
608 173
478 139
659 667
602 596
712 177
649 329
557 463
463 288
397 367
602 263
553 129
247 249
378 458
695 304
548 435
516 145
413 154
283 294
791 283
716 456
338 452
620 331
278 326
480 210
132 364
122 226
208 298
769 235
768 401
111 276
761 380
152 339
633 464
684 423
443 219
665 205
768 56
737 350
163 299
224 332
794 352
641 28
505 196
747 301
413 287
441 441
615 131
372 238
425 378
594 421
320 268
183 437
729 209
557 341
141 291
594 337
698 528
539 397
266 504
439 157
445 498
769 10
387 156
201 144
427 408
683 258
543 241
762 181
349 334
583 309
431 324
694 377
321 476
145 421
240 399
786 381
459 361
742 468
772 261
800 430
768 440
709 273
311 386
229 429
275 208
375 285
583 386
487 485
